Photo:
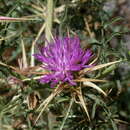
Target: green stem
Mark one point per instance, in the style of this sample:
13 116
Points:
49 19
67 113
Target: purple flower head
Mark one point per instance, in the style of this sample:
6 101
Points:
61 58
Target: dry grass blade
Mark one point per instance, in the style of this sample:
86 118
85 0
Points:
98 54
82 103
48 100
97 67
9 19
90 84
34 6
90 80
29 70
88 28
60 9
34 78
121 121
3 64
34 42
24 56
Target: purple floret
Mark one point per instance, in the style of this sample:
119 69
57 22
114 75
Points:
62 57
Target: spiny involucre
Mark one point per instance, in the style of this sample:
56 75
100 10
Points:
62 58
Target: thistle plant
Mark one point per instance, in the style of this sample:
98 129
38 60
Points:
69 82
66 63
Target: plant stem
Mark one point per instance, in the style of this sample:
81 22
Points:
49 18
